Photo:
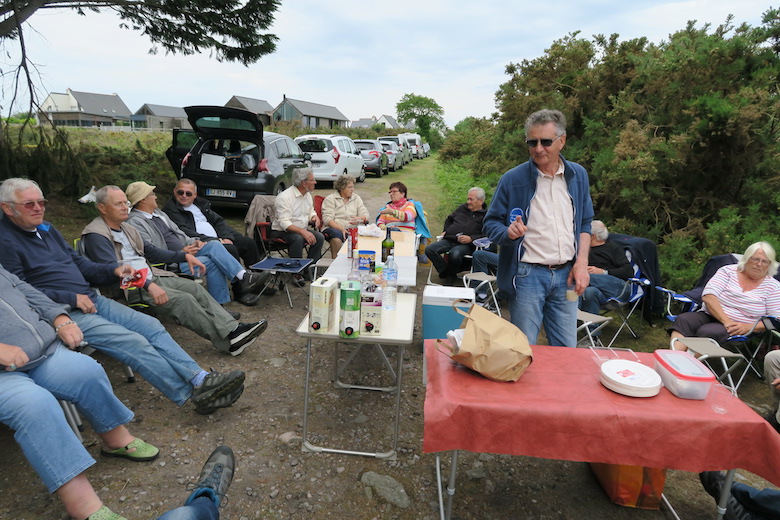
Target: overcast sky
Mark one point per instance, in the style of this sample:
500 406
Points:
358 56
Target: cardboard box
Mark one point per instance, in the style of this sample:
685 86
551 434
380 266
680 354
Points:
371 313
323 304
349 309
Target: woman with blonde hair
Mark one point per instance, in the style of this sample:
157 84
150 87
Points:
340 210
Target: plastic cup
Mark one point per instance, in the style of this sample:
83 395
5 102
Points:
571 293
720 397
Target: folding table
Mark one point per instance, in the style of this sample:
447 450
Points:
558 409
286 267
397 331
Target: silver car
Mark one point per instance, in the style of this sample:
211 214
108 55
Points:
374 156
395 158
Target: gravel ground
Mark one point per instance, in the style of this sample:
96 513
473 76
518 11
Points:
275 479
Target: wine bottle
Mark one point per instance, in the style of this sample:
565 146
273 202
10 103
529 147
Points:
388 244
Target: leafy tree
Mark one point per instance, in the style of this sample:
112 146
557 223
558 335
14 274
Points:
231 30
426 113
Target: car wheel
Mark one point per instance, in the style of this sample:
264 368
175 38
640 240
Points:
362 176
279 189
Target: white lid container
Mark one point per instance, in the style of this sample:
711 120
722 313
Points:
630 378
682 374
445 295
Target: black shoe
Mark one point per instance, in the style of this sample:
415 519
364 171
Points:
216 476
713 484
772 419
298 280
216 385
233 314
244 335
268 291
220 402
248 299
252 282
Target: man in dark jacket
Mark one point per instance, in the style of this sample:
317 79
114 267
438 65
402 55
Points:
608 267
196 219
461 229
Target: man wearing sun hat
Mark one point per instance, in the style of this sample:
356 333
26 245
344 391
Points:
157 228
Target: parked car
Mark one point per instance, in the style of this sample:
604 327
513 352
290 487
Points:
374 156
402 143
395 157
415 144
427 149
333 155
231 158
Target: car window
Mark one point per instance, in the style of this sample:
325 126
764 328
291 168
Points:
281 149
295 150
315 145
343 145
365 146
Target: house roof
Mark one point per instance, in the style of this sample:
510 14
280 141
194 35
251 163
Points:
364 122
391 120
149 109
110 105
315 109
258 106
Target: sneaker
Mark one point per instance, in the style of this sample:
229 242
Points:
216 385
248 299
105 513
713 484
244 335
216 476
252 282
220 402
233 314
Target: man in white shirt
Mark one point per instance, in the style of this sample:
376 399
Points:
295 215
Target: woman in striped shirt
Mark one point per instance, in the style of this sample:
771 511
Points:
735 298
400 212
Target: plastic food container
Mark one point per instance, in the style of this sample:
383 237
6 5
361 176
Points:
682 374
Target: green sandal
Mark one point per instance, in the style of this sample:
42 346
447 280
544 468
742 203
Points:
105 513
141 451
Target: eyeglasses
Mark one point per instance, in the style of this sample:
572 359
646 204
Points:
393 191
182 192
125 204
760 261
545 142
29 205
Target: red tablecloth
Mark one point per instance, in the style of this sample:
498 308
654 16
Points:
558 409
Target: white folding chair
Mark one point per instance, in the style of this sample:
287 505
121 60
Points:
585 334
486 282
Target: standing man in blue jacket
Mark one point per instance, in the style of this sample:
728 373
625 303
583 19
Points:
540 217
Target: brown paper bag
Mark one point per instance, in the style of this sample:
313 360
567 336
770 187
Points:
492 346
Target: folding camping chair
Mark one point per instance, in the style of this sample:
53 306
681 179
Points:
706 350
258 219
639 285
585 334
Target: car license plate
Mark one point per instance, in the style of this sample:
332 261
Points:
221 193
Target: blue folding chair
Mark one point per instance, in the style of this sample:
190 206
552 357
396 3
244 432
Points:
639 285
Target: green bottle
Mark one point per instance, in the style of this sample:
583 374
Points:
388 244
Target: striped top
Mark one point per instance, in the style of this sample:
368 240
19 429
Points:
403 216
740 306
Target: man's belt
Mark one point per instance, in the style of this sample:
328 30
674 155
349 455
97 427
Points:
558 266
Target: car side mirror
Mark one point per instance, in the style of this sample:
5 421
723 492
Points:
307 156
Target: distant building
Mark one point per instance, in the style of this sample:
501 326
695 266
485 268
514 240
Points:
260 107
84 109
309 114
160 117
388 121
366 122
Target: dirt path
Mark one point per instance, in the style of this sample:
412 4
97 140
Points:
276 480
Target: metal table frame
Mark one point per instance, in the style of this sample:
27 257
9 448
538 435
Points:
398 329
276 266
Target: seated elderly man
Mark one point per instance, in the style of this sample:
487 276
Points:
196 219
461 228
35 251
295 215
608 268
156 228
109 238
38 369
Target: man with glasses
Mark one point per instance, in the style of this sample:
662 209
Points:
36 252
195 217
109 239
296 221
540 218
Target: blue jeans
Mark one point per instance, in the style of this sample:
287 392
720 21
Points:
221 267
540 299
140 341
602 287
202 508
28 405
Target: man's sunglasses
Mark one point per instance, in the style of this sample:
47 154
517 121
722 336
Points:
545 142
30 204
182 192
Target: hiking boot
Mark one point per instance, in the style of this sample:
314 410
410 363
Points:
220 402
216 385
233 314
252 282
215 477
244 335
248 299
